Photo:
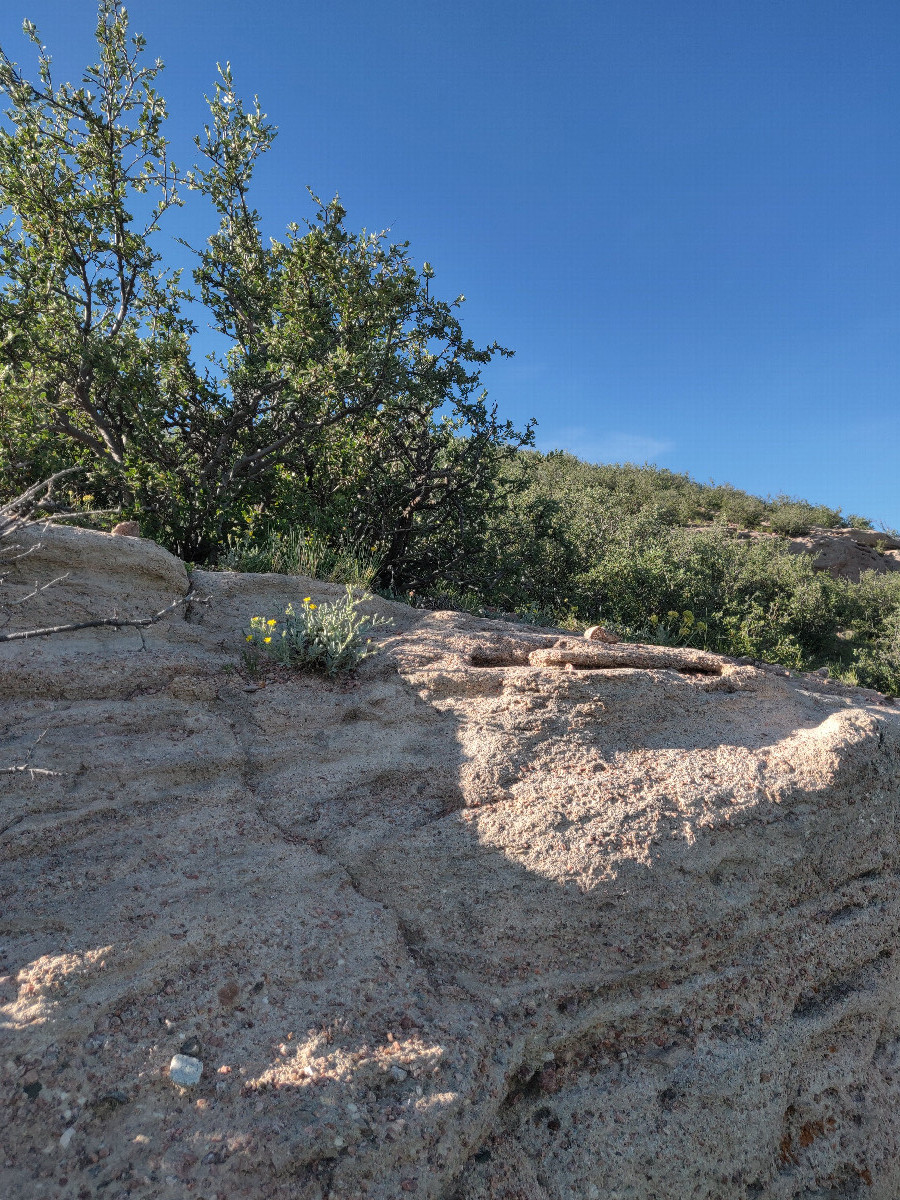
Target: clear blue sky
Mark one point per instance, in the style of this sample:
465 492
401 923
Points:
684 217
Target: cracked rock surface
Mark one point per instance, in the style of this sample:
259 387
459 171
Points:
507 916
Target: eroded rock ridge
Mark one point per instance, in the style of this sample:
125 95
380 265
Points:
509 915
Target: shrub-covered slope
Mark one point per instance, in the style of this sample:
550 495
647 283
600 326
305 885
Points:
661 558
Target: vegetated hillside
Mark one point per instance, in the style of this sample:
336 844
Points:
634 546
677 498
658 557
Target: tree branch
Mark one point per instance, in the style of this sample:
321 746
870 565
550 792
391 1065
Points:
114 622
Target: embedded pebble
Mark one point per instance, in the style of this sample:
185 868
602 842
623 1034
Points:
185 1070
398 1073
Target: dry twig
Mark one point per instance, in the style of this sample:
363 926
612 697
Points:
115 622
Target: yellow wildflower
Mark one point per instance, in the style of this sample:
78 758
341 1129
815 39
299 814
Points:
314 606
306 599
268 639
249 637
271 621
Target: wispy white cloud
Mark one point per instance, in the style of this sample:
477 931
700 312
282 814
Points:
597 446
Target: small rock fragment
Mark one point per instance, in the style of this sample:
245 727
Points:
126 529
185 1070
398 1073
66 1136
596 633
228 993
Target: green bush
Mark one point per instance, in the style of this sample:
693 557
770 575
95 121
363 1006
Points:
737 507
793 518
747 598
871 611
877 664
321 637
346 389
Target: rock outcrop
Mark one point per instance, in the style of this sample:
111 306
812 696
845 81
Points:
507 916
847 553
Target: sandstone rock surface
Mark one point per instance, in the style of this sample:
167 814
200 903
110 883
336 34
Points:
509 916
126 529
847 553
596 633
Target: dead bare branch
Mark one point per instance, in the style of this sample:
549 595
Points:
25 767
114 622
32 771
23 508
36 591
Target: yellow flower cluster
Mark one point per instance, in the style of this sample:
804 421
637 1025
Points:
686 621
261 626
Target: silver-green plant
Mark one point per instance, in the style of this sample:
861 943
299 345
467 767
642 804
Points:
323 637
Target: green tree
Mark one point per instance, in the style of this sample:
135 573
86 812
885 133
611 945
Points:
343 371
346 386
87 312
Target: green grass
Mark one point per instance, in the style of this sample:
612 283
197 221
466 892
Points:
298 552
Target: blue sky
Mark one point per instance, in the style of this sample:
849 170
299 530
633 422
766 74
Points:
684 217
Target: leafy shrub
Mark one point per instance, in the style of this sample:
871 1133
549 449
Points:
322 637
872 614
877 664
793 518
346 388
750 598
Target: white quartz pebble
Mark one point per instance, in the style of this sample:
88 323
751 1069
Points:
185 1070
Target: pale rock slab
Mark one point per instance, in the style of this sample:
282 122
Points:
509 915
